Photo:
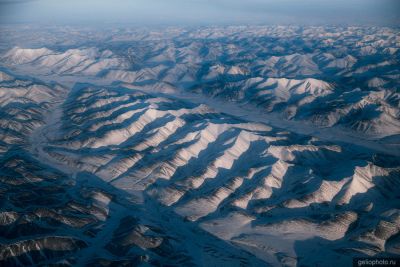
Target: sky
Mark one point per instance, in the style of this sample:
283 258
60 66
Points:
201 12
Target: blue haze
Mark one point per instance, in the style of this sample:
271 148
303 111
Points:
201 12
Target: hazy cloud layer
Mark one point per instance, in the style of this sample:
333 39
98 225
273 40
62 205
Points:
203 12
10 2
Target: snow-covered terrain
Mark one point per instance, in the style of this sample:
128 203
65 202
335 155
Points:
73 61
326 76
222 146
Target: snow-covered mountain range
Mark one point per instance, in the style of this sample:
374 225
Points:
216 146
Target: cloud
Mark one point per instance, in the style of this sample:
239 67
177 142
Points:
13 2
